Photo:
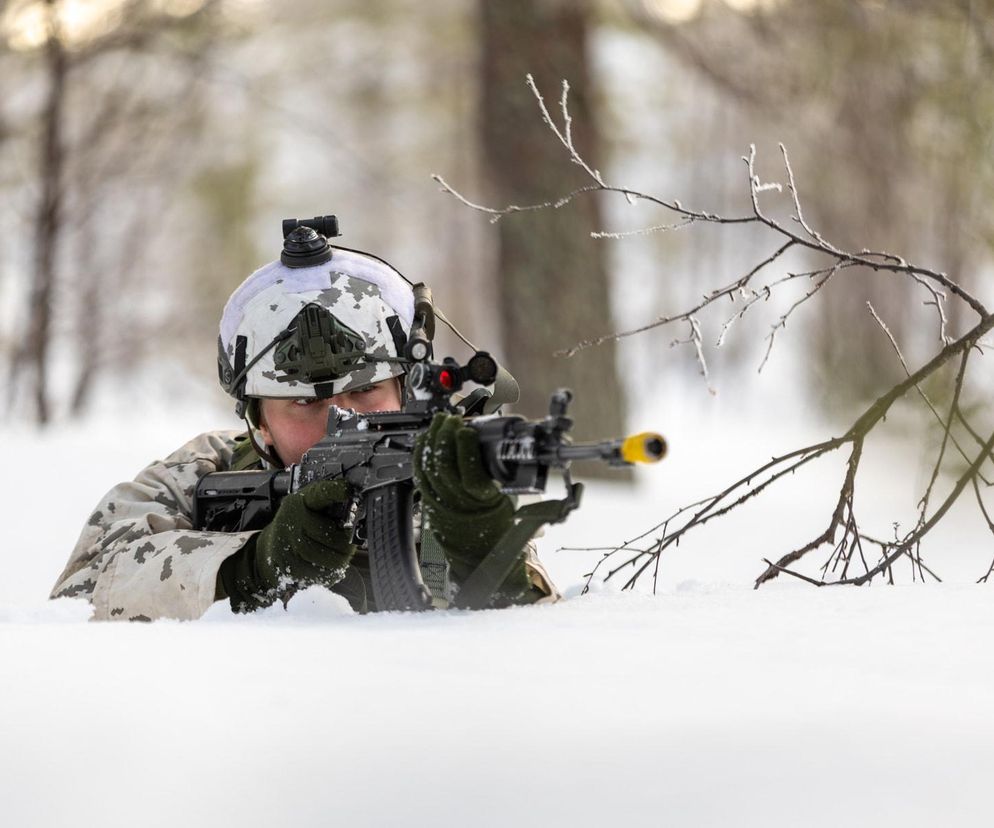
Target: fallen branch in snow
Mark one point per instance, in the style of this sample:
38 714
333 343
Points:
842 535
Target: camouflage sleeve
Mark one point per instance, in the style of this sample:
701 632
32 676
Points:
138 558
539 577
543 591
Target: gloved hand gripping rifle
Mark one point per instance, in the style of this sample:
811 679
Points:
373 453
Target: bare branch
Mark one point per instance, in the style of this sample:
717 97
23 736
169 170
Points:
782 322
709 298
842 533
990 525
794 574
645 231
565 137
798 213
939 302
497 214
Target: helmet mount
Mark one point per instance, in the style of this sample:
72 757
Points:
305 241
320 348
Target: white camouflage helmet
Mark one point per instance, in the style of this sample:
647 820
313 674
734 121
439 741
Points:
371 305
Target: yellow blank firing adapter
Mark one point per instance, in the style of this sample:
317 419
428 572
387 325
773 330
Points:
647 447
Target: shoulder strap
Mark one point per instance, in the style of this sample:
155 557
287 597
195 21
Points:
485 582
245 455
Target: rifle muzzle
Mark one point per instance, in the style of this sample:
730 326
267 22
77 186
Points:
647 447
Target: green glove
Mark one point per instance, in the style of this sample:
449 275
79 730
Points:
304 545
462 506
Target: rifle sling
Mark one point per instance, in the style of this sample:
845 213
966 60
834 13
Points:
434 569
480 588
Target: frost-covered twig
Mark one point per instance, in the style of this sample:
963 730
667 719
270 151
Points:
694 338
496 215
729 290
781 323
565 135
939 302
642 231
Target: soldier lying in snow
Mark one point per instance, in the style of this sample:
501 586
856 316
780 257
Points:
139 557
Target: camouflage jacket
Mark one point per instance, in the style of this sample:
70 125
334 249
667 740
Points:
138 557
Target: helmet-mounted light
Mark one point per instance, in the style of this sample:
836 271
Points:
305 242
305 247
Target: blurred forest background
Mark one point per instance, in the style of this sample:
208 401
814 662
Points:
149 149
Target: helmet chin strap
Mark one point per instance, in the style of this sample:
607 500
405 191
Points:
253 411
270 457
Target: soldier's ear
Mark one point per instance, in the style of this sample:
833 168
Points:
267 438
267 435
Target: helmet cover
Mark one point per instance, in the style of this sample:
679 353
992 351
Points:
363 294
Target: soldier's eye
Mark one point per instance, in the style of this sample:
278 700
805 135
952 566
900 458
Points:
305 401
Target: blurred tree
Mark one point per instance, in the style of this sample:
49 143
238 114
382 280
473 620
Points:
552 277
226 194
888 111
34 354
100 135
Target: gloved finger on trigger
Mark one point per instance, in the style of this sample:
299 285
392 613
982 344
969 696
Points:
324 493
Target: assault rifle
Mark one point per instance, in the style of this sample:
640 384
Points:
373 453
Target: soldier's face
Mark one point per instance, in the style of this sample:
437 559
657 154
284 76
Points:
292 426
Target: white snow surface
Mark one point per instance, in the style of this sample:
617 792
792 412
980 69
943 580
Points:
708 703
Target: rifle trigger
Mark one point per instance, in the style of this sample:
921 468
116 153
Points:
350 518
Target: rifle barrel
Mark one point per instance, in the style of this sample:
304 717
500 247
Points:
647 447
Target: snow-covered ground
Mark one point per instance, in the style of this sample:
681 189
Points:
707 704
